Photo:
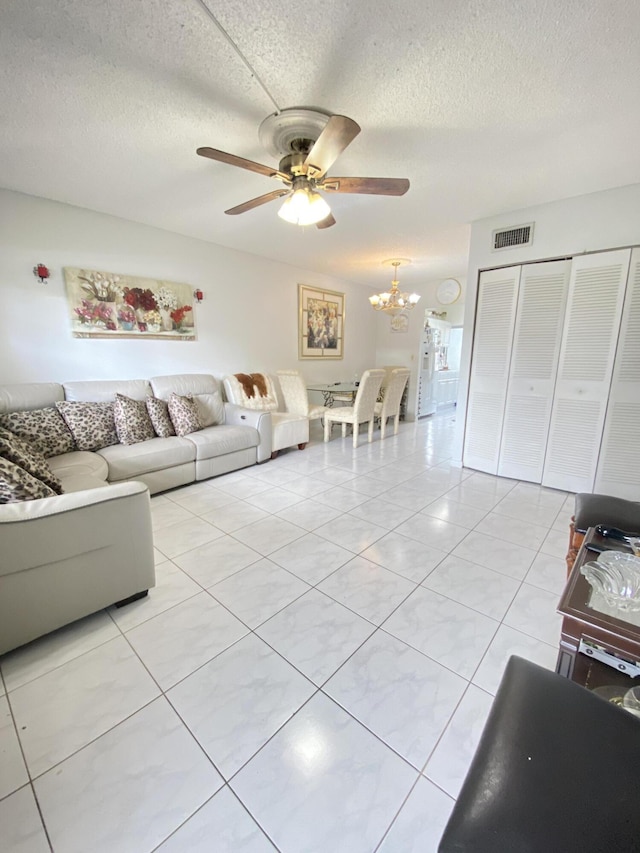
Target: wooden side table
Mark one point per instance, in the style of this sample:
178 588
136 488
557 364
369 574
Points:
596 647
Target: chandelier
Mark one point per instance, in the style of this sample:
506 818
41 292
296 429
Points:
394 301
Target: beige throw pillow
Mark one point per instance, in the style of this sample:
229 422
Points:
132 420
159 413
16 484
210 408
184 414
45 428
91 424
27 456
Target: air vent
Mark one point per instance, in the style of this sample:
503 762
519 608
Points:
508 238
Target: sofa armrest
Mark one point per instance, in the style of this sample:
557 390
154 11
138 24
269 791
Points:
27 510
40 532
239 416
65 557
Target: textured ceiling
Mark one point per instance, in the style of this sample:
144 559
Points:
485 105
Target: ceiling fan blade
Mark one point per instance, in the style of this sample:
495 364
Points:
256 202
338 132
232 160
327 222
368 186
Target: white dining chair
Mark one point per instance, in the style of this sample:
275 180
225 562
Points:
296 396
389 407
362 411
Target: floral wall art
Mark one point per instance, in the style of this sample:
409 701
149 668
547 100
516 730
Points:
105 304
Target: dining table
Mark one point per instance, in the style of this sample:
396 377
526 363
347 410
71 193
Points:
331 391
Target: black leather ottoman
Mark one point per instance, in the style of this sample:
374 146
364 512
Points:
557 770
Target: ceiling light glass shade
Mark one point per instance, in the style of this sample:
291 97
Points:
304 207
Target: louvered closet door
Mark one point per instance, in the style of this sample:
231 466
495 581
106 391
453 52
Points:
594 308
492 341
619 464
536 347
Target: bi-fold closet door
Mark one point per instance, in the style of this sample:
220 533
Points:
589 342
492 342
532 374
515 354
554 393
618 470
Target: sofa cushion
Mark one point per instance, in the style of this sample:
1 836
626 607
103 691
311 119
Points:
29 395
184 383
219 440
91 424
81 483
28 457
45 428
184 414
79 463
127 462
159 413
16 484
105 390
132 420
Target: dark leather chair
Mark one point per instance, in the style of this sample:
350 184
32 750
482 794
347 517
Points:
557 770
591 510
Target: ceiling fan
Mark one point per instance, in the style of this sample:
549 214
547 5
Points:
309 142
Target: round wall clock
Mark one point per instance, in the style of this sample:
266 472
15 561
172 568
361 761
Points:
448 291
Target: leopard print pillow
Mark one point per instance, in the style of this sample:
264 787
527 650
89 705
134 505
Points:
132 420
16 484
44 428
24 454
184 415
91 424
159 413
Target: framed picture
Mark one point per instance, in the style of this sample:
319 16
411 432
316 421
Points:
111 305
321 323
400 323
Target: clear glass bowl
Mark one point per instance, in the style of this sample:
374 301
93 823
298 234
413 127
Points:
631 701
616 576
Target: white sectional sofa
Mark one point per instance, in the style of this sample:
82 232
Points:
242 439
66 556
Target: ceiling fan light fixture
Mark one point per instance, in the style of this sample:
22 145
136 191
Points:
304 207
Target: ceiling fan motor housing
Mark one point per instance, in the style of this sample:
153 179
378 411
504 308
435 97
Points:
294 164
292 131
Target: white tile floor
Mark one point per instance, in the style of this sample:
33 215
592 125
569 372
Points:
312 672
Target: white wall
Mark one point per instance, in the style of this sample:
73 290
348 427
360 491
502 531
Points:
402 348
587 223
247 322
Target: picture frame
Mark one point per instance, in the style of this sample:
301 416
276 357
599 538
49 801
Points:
400 324
113 305
320 323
